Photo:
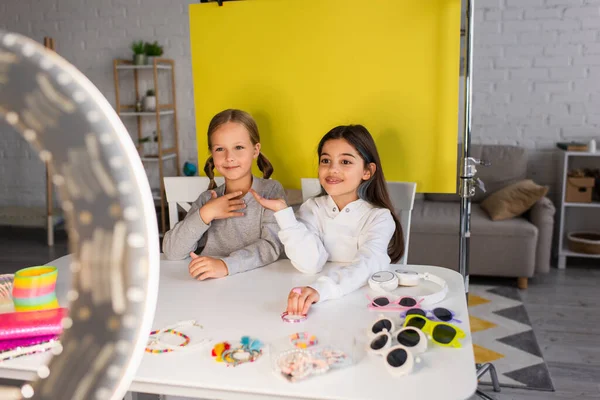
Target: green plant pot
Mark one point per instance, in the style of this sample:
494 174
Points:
139 59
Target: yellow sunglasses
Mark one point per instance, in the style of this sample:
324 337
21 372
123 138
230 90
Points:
441 333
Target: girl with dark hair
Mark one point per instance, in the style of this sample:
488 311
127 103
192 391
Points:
234 232
352 221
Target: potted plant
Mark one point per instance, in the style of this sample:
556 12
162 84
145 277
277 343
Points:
139 53
150 145
150 100
152 50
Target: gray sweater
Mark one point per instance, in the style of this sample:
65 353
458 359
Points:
243 243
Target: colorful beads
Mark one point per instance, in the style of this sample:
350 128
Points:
298 364
218 350
250 350
303 340
154 340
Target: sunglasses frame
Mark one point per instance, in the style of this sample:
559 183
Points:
431 315
387 345
430 326
420 347
405 368
393 305
372 334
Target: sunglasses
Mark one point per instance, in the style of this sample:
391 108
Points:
399 360
381 325
437 314
411 338
442 333
385 303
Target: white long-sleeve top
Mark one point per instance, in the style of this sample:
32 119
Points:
359 234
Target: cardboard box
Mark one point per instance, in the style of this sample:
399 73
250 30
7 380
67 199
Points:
579 190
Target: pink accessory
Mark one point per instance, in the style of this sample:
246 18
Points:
385 303
20 325
10 344
292 319
297 290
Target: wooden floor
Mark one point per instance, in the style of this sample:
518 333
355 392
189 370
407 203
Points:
564 308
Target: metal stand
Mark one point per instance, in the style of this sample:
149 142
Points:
481 370
468 183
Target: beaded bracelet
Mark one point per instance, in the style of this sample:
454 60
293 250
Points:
169 348
231 358
155 338
302 340
248 351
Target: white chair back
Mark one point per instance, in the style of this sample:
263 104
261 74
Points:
310 188
181 191
402 195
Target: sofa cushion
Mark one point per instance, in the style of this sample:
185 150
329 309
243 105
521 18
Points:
513 200
508 165
443 218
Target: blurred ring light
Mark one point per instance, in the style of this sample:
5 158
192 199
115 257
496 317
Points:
110 219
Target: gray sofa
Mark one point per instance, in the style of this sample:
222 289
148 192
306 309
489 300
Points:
519 247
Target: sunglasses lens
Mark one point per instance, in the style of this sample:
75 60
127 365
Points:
379 343
381 325
415 311
381 301
443 334
442 314
397 358
409 338
417 322
408 302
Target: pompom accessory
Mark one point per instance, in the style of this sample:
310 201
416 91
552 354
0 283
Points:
250 350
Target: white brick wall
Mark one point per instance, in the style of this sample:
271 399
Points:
90 36
536 77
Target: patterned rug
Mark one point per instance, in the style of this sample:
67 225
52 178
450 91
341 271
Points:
502 335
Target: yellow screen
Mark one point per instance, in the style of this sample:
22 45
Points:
302 67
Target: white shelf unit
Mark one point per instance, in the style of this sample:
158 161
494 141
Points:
147 113
148 66
164 66
575 216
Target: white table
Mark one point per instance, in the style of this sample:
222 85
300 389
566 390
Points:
251 304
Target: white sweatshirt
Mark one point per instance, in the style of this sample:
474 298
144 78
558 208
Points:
359 234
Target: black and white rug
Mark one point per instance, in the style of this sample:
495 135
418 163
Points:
502 334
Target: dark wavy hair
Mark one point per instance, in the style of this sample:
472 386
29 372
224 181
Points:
374 190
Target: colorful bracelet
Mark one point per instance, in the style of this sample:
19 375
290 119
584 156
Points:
302 340
155 338
235 357
169 348
249 350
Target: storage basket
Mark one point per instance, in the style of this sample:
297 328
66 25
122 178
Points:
584 242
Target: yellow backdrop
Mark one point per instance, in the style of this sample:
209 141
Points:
301 67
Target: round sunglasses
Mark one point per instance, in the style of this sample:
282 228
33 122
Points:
442 333
399 360
438 314
381 325
385 303
411 338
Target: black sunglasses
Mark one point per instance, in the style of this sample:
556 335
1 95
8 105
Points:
441 333
441 313
382 324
